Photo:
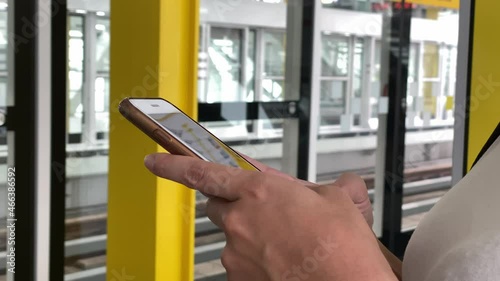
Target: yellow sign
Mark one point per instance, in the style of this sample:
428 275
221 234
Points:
452 4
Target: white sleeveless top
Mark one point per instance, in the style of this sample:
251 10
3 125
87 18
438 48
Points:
459 239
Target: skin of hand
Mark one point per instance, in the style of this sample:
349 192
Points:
350 183
355 187
277 228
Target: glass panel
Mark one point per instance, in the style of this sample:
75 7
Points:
345 100
431 84
335 55
428 153
274 53
358 5
202 64
101 106
245 59
87 160
430 92
413 63
333 101
273 89
3 40
101 85
76 70
375 86
450 70
449 76
102 44
224 69
273 75
250 65
412 92
358 67
431 60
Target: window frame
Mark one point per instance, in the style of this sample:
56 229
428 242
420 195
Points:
88 138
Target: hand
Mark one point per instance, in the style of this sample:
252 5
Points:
356 189
276 228
352 184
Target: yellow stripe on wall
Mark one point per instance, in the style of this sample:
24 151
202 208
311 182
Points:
485 77
150 221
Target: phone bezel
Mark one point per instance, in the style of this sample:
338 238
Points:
148 125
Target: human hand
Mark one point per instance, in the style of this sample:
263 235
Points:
276 228
350 183
356 189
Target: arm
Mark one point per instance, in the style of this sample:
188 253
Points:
394 262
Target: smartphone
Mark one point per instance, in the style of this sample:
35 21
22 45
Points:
175 131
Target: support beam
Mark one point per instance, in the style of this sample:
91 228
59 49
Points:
153 54
395 136
308 106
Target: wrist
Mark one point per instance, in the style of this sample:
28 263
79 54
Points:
358 256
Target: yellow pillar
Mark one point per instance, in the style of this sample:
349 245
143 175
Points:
485 77
150 221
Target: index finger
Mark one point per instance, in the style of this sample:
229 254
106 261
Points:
209 178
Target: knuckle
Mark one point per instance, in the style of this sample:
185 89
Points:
258 188
222 177
196 175
232 224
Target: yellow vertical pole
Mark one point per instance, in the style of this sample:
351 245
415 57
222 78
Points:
150 221
485 77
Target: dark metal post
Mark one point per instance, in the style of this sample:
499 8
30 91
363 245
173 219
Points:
396 118
306 81
22 123
58 177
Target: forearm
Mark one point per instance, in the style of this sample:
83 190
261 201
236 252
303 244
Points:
394 262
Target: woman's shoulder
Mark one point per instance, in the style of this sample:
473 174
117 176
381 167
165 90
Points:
458 233
477 258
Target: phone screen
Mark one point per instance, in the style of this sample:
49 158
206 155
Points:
193 135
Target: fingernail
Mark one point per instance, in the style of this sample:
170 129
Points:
149 161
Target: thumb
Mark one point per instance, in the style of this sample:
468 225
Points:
354 186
